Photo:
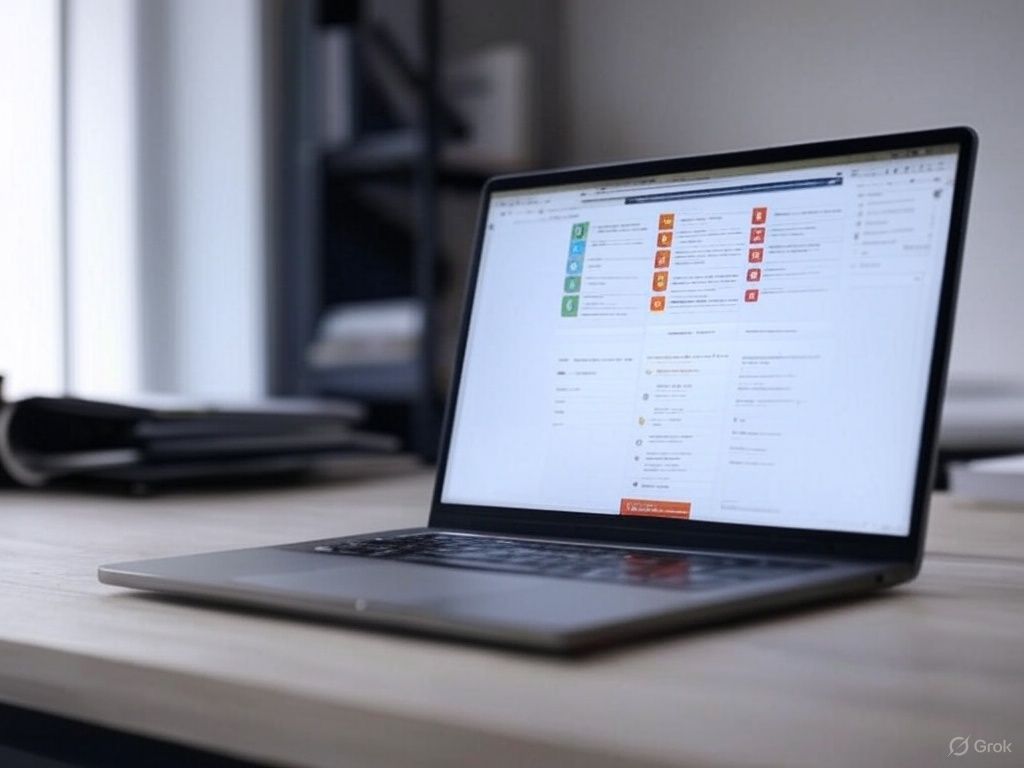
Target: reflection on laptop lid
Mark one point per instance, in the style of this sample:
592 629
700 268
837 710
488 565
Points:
744 345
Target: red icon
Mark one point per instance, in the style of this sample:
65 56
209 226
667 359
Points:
661 259
664 239
750 295
660 282
666 221
657 303
757 235
753 275
759 216
755 255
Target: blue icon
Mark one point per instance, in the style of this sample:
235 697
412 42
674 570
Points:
578 247
574 265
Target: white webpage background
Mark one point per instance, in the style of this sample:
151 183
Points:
801 409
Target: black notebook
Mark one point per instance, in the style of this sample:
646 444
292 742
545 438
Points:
43 439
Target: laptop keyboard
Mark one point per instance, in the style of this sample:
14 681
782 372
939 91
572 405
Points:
570 561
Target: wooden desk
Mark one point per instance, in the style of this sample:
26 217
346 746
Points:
881 681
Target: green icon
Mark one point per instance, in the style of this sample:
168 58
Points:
579 231
570 306
572 284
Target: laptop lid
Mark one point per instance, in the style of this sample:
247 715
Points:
745 350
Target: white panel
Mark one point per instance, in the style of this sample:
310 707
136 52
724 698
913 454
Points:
30 261
102 197
213 71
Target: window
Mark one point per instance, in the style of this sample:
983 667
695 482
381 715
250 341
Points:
31 315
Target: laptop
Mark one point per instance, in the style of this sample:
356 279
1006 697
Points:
686 391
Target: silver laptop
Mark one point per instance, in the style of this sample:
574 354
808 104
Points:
687 390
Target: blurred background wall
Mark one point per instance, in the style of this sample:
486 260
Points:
661 77
196 191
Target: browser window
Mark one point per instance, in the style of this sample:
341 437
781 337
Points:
749 345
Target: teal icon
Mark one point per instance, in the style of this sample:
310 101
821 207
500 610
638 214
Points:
579 230
574 266
572 284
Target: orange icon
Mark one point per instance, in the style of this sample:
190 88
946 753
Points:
753 275
664 239
657 303
660 282
661 259
759 216
666 221
757 235
750 295
755 255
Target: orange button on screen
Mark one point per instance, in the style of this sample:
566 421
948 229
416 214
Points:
654 508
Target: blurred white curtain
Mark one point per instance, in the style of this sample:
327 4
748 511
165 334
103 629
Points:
165 249
31 315
103 198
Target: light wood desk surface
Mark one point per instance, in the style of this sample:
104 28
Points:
887 680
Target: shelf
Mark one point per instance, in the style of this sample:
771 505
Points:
394 157
323 228
451 178
381 382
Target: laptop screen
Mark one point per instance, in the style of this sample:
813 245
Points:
750 345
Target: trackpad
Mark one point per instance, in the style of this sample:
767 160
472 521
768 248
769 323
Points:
390 582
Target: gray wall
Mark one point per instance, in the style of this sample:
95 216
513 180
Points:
663 77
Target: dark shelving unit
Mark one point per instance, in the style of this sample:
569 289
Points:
333 249
380 382
377 165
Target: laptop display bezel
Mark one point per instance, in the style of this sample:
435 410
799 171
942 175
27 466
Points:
730 536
